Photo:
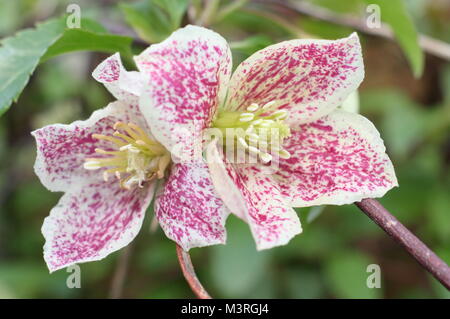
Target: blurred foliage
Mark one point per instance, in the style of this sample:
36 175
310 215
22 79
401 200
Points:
155 20
20 54
330 257
393 13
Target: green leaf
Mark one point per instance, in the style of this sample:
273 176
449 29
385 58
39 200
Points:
20 54
394 13
323 29
81 40
251 44
175 10
154 20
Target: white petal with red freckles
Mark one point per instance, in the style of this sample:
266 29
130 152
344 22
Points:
309 78
339 159
272 221
189 209
224 185
251 194
93 221
62 149
185 79
122 84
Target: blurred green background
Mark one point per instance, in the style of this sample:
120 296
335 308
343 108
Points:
329 259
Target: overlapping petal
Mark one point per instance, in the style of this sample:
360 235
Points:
189 209
339 159
62 149
251 194
93 220
124 85
309 78
185 78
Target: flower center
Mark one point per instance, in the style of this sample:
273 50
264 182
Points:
134 158
259 130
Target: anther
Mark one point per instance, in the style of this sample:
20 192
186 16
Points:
265 157
135 154
92 165
266 123
280 114
253 150
257 122
268 105
284 154
243 142
253 107
246 117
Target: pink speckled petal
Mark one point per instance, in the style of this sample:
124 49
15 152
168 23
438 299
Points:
339 159
92 221
189 209
62 149
185 79
122 84
251 194
309 78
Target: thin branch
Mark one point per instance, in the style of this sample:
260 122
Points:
189 274
120 273
375 211
428 259
209 11
430 45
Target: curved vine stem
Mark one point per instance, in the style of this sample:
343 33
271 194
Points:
413 245
120 273
430 45
189 274
375 211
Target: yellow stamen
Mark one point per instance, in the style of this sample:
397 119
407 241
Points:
109 139
257 130
135 158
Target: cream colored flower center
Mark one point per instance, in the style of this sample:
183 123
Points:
134 157
259 130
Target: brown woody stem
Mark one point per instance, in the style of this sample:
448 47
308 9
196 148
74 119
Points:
189 274
120 273
372 208
430 45
413 245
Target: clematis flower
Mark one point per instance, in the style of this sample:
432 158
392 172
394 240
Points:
323 156
108 167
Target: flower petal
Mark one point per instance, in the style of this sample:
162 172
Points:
122 84
339 159
189 209
62 149
251 194
309 78
93 221
186 77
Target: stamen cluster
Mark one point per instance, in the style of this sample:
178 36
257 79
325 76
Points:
134 157
259 130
